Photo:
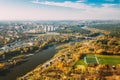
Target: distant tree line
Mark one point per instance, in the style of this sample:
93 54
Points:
114 29
74 29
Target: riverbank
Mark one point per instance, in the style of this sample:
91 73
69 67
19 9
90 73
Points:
29 65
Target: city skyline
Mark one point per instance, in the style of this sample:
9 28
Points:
59 9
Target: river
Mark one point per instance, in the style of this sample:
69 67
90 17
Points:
29 65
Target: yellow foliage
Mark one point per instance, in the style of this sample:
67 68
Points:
100 51
2 65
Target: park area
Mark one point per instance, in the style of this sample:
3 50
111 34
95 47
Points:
98 59
91 59
111 60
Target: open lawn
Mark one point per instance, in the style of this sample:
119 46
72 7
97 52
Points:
80 62
98 59
90 59
111 60
102 59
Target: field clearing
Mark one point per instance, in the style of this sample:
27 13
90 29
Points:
111 60
102 59
98 59
91 59
80 62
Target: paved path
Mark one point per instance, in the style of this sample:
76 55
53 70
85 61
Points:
85 60
96 59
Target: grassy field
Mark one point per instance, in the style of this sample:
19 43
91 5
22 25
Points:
102 59
80 62
111 60
91 59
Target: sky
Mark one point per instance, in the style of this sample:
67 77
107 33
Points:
59 9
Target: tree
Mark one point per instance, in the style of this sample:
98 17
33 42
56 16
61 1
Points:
100 51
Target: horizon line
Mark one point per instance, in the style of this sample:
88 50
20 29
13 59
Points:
61 20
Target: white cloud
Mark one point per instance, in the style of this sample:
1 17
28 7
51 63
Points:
108 5
75 5
79 11
79 1
107 11
69 4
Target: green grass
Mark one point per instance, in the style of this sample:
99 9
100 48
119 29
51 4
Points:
103 59
90 55
119 42
111 60
80 62
91 59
